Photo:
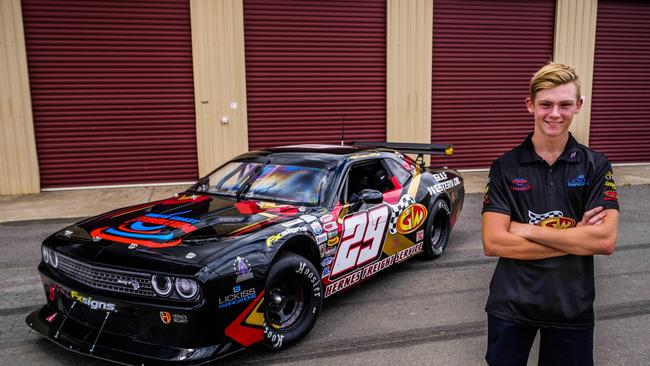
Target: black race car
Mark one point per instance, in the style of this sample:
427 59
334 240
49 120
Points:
246 255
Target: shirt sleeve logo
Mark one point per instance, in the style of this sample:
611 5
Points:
520 185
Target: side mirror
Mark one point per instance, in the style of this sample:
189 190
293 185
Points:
371 196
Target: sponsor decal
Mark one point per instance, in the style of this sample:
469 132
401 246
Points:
443 186
315 226
371 269
308 218
330 251
609 175
326 272
326 262
242 269
333 241
573 155
520 185
552 219
404 202
190 255
131 283
326 218
611 196
411 218
132 246
92 303
166 317
179 318
558 222
440 176
332 234
68 233
321 238
419 236
331 226
237 296
610 184
294 230
292 223
580 181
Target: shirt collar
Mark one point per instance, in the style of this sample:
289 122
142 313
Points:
527 152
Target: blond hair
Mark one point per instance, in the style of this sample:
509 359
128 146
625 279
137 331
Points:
551 75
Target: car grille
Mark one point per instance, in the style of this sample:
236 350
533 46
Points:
104 278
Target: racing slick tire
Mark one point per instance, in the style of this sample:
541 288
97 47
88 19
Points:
438 228
293 299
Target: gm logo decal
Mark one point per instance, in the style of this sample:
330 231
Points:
558 222
411 218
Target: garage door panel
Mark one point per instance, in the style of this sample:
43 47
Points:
111 77
621 99
484 54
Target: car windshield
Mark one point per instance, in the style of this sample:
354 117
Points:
229 179
271 182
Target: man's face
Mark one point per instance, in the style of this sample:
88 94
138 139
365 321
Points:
553 110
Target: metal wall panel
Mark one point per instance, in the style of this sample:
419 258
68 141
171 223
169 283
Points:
409 70
112 91
575 40
484 54
18 163
620 122
311 64
219 81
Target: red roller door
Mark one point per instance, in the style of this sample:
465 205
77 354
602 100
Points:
484 54
620 112
309 65
112 91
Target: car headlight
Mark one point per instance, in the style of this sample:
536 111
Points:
54 259
186 288
46 254
162 285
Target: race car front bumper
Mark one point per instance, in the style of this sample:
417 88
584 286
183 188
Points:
127 332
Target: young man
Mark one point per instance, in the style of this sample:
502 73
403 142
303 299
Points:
550 206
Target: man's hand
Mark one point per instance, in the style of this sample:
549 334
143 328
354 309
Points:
594 216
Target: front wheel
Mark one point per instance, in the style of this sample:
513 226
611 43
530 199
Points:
293 299
438 228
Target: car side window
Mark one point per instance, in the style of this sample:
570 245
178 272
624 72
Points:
398 171
366 175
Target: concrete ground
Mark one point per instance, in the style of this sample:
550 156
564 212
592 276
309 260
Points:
88 202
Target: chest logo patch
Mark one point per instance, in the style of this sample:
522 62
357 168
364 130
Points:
552 219
580 181
520 185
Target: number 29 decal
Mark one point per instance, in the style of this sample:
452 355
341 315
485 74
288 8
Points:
362 239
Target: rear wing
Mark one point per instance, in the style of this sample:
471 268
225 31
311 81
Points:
411 148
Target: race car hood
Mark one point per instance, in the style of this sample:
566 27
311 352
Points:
187 223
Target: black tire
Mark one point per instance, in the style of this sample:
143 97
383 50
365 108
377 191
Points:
292 301
438 228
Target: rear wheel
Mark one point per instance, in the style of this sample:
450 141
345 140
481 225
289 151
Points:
438 228
293 298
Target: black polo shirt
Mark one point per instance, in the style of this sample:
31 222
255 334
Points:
553 292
